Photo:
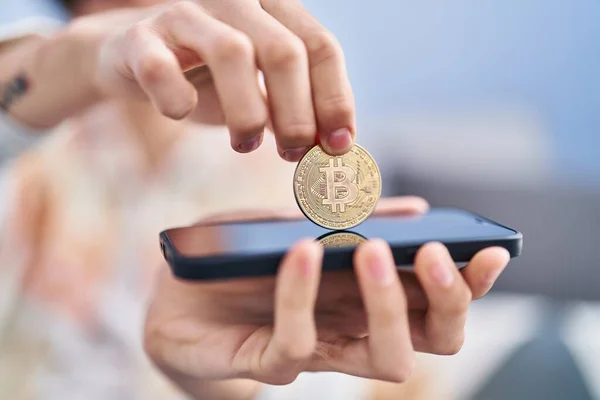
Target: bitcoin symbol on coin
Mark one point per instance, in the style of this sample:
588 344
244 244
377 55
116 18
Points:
337 192
341 189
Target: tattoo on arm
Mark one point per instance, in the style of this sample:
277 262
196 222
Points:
12 91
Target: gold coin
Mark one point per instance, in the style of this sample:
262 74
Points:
337 192
341 239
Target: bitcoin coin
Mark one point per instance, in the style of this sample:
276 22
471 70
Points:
341 239
337 192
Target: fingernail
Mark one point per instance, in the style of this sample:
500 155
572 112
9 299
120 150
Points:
440 270
294 154
339 140
249 145
380 271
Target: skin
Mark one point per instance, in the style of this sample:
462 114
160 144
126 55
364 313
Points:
200 61
368 322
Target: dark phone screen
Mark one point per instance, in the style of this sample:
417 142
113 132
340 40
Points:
249 238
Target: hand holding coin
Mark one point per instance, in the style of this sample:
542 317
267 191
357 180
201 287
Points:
337 192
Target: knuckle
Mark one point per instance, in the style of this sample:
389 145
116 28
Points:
282 379
248 126
454 310
299 351
177 111
233 46
467 298
136 32
284 54
152 67
181 8
451 347
398 373
322 47
457 305
297 134
339 109
293 350
177 13
460 304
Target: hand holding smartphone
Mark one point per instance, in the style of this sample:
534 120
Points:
361 318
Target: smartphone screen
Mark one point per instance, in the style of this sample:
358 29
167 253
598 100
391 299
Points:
445 225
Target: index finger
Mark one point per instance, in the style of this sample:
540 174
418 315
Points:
331 89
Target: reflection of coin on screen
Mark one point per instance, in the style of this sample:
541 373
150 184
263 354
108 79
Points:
341 239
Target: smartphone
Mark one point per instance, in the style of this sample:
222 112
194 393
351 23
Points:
214 251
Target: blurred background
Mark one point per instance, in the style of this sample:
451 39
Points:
493 106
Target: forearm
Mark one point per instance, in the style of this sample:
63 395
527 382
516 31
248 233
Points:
45 80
